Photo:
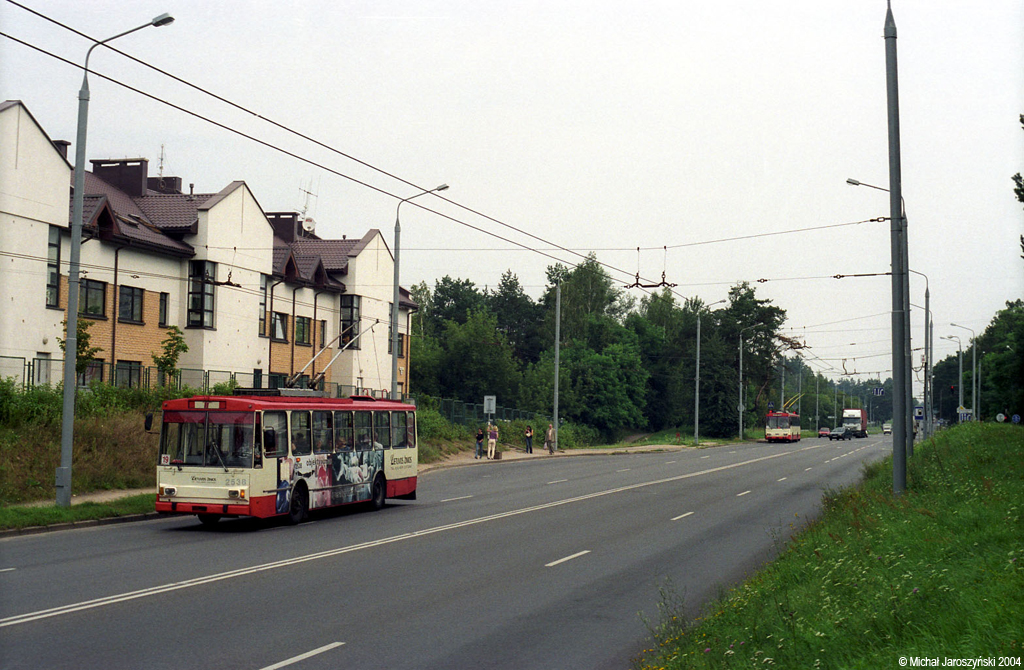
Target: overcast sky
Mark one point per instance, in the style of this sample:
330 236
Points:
601 126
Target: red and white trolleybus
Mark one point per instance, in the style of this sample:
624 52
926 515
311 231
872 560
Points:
782 427
282 455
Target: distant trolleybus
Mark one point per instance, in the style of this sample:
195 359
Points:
282 455
782 427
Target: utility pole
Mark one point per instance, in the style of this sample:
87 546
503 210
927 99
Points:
558 337
898 250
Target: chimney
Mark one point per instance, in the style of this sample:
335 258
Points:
285 224
129 174
168 185
62 147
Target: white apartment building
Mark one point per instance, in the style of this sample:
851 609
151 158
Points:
257 295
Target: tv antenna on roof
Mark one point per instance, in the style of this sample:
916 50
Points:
308 193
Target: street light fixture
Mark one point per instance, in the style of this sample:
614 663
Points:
67 432
394 304
696 381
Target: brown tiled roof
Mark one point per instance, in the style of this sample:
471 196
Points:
333 253
174 212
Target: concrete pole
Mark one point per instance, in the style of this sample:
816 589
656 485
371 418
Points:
558 338
901 417
696 390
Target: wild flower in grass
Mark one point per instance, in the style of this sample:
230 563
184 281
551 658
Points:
707 649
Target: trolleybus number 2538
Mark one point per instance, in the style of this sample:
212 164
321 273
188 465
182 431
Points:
265 456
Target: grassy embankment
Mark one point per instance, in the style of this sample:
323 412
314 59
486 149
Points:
936 572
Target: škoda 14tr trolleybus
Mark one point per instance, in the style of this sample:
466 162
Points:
282 453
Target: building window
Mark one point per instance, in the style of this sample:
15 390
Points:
279 326
92 298
323 334
401 345
302 330
129 304
264 283
350 320
93 373
53 268
128 374
201 276
164 299
42 368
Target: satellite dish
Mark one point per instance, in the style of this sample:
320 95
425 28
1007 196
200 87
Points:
308 224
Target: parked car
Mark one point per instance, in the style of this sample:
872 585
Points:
823 431
840 433
886 429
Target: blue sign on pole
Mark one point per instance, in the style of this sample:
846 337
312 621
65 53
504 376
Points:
771 405
879 391
1015 418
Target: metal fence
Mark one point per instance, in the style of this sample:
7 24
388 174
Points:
50 372
472 414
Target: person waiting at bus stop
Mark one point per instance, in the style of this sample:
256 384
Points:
492 439
549 439
479 443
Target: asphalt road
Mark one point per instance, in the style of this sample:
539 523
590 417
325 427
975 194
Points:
545 563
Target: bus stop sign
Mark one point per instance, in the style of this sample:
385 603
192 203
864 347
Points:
490 404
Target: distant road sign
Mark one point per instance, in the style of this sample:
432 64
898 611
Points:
1000 417
1016 418
879 391
490 403
771 405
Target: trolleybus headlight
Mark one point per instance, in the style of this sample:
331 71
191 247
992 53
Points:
168 491
236 493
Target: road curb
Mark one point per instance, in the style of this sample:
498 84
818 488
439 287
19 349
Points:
85 523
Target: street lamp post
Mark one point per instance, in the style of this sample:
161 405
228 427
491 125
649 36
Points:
696 383
974 371
394 303
740 403
960 385
67 429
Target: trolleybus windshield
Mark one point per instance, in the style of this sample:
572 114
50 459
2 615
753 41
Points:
209 439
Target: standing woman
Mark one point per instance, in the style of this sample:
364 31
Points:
479 443
492 439
529 439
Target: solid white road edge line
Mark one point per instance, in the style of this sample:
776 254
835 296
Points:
302 657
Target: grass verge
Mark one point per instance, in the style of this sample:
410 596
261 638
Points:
23 516
937 572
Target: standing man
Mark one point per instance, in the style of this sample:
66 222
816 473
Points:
549 439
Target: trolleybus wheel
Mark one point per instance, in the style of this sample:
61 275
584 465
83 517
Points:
299 507
379 492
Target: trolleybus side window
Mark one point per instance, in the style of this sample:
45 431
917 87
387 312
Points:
364 430
323 432
343 431
398 429
301 442
275 434
410 429
382 429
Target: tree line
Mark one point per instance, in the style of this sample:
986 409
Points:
625 364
